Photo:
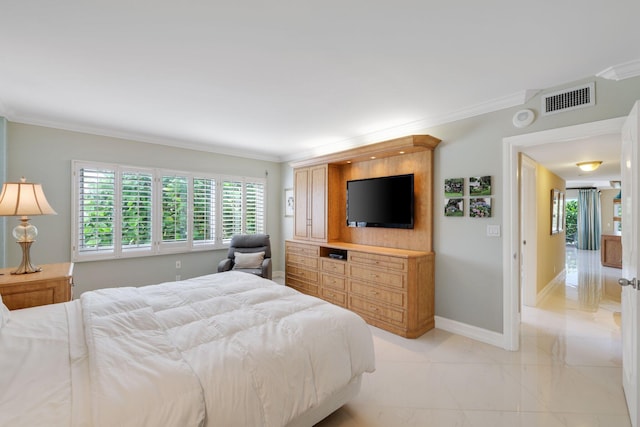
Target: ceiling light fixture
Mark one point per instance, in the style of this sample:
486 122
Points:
589 166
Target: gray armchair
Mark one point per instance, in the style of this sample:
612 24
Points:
249 245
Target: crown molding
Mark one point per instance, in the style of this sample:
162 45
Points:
622 71
418 126
140 137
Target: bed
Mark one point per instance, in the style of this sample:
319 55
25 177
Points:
227 349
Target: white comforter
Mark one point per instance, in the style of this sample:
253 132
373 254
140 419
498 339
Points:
228 349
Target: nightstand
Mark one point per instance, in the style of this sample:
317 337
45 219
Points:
49 286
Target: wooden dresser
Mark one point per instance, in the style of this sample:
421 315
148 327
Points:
611 251
390 288
51 285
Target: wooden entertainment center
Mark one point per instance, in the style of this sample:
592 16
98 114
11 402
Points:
386 275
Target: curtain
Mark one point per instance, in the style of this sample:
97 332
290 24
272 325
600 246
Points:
588 219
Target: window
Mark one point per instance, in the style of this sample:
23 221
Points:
123 211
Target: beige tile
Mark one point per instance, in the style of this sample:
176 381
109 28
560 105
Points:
567 372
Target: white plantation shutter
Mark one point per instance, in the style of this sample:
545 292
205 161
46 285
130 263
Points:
254 212
232 212
204 210
174 208
95 191
124 211
136 191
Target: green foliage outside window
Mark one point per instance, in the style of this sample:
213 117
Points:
242 208
174 208
571 212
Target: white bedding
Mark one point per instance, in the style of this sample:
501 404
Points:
229 349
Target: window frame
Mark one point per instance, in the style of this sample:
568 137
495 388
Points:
158 246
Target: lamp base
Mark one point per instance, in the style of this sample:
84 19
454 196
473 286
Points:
25 266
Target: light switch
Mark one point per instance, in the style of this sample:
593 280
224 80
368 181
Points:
493 231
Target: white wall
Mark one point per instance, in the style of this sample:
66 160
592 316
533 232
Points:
606 210
44 155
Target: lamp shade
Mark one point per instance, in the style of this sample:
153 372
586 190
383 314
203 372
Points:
24 199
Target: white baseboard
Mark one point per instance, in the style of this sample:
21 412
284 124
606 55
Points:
277 274
469 331
546 291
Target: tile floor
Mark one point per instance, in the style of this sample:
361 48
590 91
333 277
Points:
567 372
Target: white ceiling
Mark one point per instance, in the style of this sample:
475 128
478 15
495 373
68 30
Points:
285 79
561 159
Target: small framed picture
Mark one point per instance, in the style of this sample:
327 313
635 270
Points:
555 194
480 186
289 202
453 207
454 187
480 207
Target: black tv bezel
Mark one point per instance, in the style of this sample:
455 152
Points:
404 226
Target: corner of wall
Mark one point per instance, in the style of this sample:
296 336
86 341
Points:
3 178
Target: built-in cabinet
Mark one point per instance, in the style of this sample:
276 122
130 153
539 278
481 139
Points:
310 195
384 275
610 244
390 288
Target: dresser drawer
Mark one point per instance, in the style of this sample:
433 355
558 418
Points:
302 260
302 273
331 266
302 249
386 278
377 311
302 286
380 261
378 294
334 282
335 297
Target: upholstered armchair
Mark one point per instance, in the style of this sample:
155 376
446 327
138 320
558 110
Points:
250 253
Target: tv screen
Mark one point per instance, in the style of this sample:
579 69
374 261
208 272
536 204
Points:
380 202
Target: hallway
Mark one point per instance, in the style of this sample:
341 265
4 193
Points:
567 372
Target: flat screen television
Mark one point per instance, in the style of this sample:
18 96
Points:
381 202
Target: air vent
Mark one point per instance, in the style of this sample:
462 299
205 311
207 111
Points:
569 99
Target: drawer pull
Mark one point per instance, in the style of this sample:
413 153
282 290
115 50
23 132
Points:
374 309
374 292
331 294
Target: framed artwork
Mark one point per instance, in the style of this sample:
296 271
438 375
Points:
454 187
480 186
480 207
453 207
557 211
561 212
288 202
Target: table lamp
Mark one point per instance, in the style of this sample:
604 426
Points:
24 199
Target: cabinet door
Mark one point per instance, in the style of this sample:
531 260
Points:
301 214
318 208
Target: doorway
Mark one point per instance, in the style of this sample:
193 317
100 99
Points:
512 211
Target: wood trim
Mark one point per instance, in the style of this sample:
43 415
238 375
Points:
393 147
